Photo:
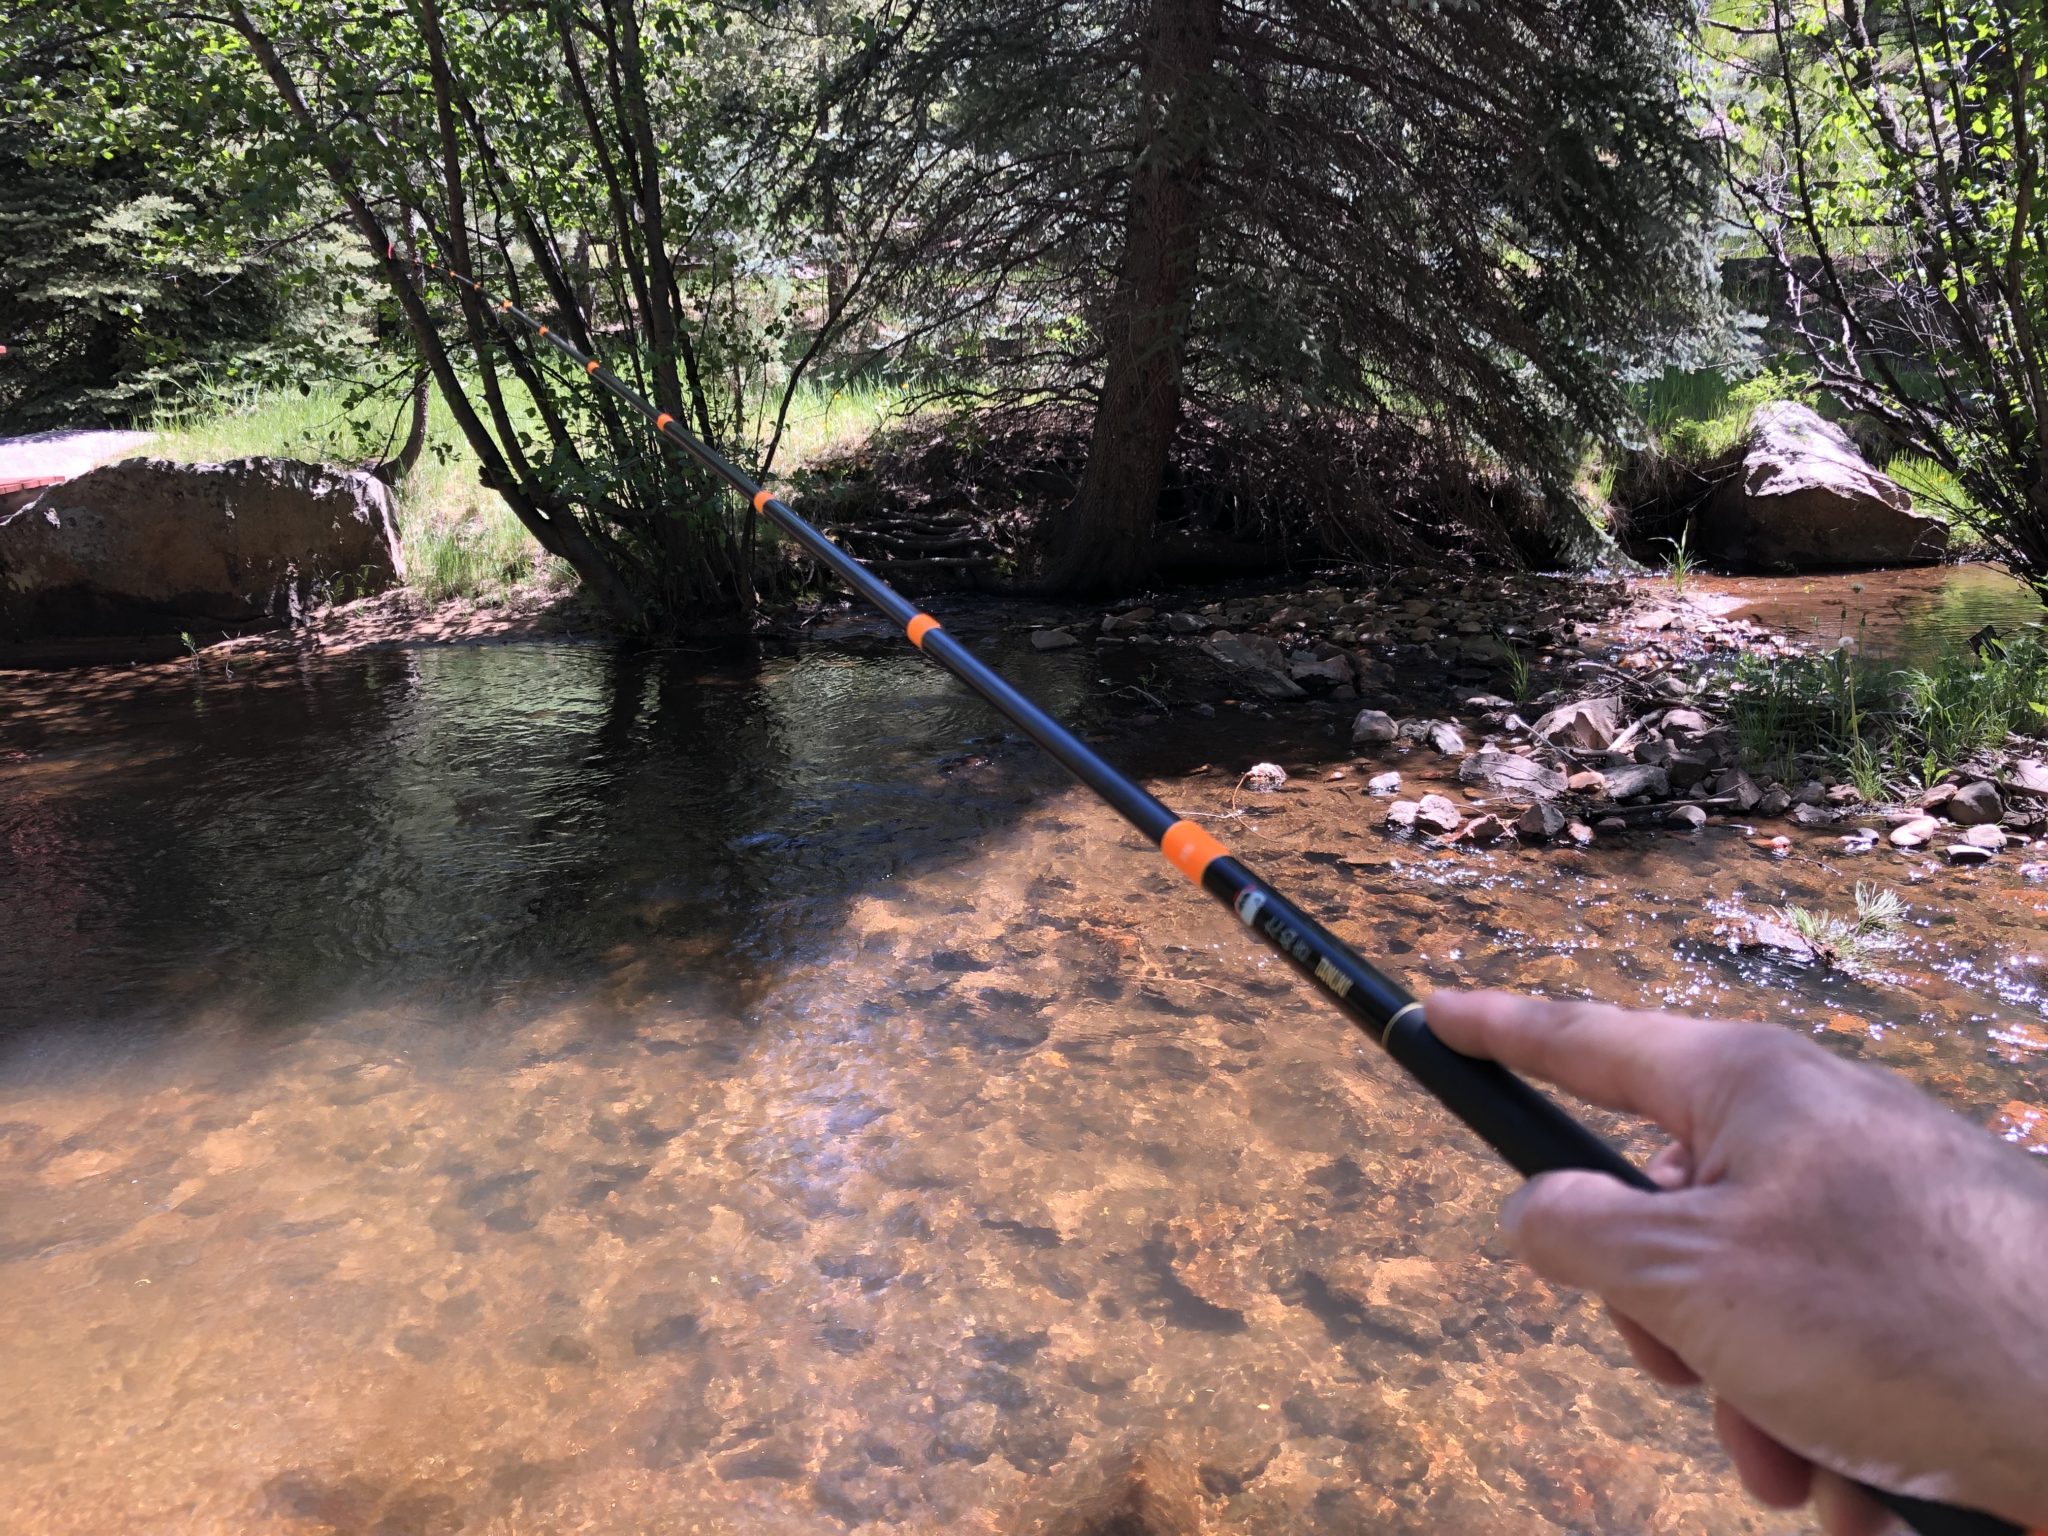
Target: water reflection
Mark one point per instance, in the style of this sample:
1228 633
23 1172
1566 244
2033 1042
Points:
1910 615
581 1092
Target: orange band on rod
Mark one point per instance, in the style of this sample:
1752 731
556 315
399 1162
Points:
1191 850
591 366
662 420
919 627
503 305
543 331
761 498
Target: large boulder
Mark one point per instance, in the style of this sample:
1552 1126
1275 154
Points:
147 546
1805 498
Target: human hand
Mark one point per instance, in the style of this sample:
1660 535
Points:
1860 1276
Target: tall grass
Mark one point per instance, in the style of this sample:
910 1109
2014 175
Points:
459 540
826 418
1967 702
1880 726
1695 416
1935 490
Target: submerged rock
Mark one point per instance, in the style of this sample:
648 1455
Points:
1373 727
1260 661
1509 773
1806 498
1052 639
1915 833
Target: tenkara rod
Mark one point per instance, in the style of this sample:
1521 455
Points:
1523 1125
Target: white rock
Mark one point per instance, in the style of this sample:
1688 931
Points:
1265 776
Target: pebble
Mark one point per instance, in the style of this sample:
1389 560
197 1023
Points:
1914 833
1372 727
1052 639
1487 828
1265 776
1975 805
1383 784
1969 853
1436 814
1685 818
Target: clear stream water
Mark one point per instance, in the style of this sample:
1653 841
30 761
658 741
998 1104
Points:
538 1088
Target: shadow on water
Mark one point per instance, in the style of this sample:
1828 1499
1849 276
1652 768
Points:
465 825
552 1088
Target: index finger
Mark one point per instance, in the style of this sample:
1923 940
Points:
1657 1065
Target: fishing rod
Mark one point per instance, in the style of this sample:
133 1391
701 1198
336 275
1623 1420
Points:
1523 1125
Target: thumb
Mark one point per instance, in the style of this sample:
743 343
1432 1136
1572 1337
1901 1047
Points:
1592 1231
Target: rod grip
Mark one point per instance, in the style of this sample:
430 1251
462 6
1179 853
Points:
1527 1128
1520 1122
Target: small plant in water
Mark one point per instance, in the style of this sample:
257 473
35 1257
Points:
1520 678
1846 942
191 647
1681 564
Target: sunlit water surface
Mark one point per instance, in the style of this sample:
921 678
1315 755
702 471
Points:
539 1089
1909 615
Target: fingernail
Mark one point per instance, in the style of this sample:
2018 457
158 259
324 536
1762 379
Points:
1511 1213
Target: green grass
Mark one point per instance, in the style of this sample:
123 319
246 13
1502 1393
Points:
826 419
1696 416
459 539
1682 563
1937 492
1879 726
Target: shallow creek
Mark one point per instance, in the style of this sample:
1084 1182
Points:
534 1088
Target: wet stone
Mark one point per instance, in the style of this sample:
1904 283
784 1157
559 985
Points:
1914 833
1437 814
1000 1349
1372 727
419 1343
1975 805
665 1335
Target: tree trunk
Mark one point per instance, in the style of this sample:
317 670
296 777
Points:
1107 540
397 466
